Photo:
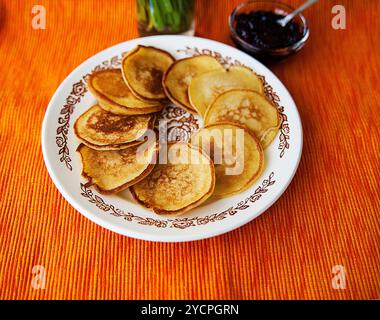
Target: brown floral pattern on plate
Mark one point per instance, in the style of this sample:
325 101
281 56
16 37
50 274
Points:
179 124
179 223
226 61
78 91
284 127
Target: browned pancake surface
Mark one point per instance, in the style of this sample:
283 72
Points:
103 130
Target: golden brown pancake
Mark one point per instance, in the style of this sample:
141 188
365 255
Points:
113 171
113 94
237 154
178 77
204 88
103 130
248 108
179 185
143 69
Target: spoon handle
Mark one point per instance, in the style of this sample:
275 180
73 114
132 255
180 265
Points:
304 6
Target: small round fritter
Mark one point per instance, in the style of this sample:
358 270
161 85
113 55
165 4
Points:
143 69
237 155
113 171
181 184
206 87
248 108
103 130
113 95
178 77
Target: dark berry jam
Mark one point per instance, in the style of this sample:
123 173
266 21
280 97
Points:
260 29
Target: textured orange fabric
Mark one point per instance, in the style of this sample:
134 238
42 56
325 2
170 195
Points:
328 216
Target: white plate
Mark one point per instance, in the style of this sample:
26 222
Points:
120 213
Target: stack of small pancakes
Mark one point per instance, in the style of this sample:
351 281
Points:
119 148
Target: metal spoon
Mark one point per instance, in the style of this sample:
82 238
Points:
285 20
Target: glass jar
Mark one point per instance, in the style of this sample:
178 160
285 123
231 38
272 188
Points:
165 17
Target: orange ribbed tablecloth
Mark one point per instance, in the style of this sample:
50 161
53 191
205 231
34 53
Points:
329 215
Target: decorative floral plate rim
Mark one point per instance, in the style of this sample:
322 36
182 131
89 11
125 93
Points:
78 92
